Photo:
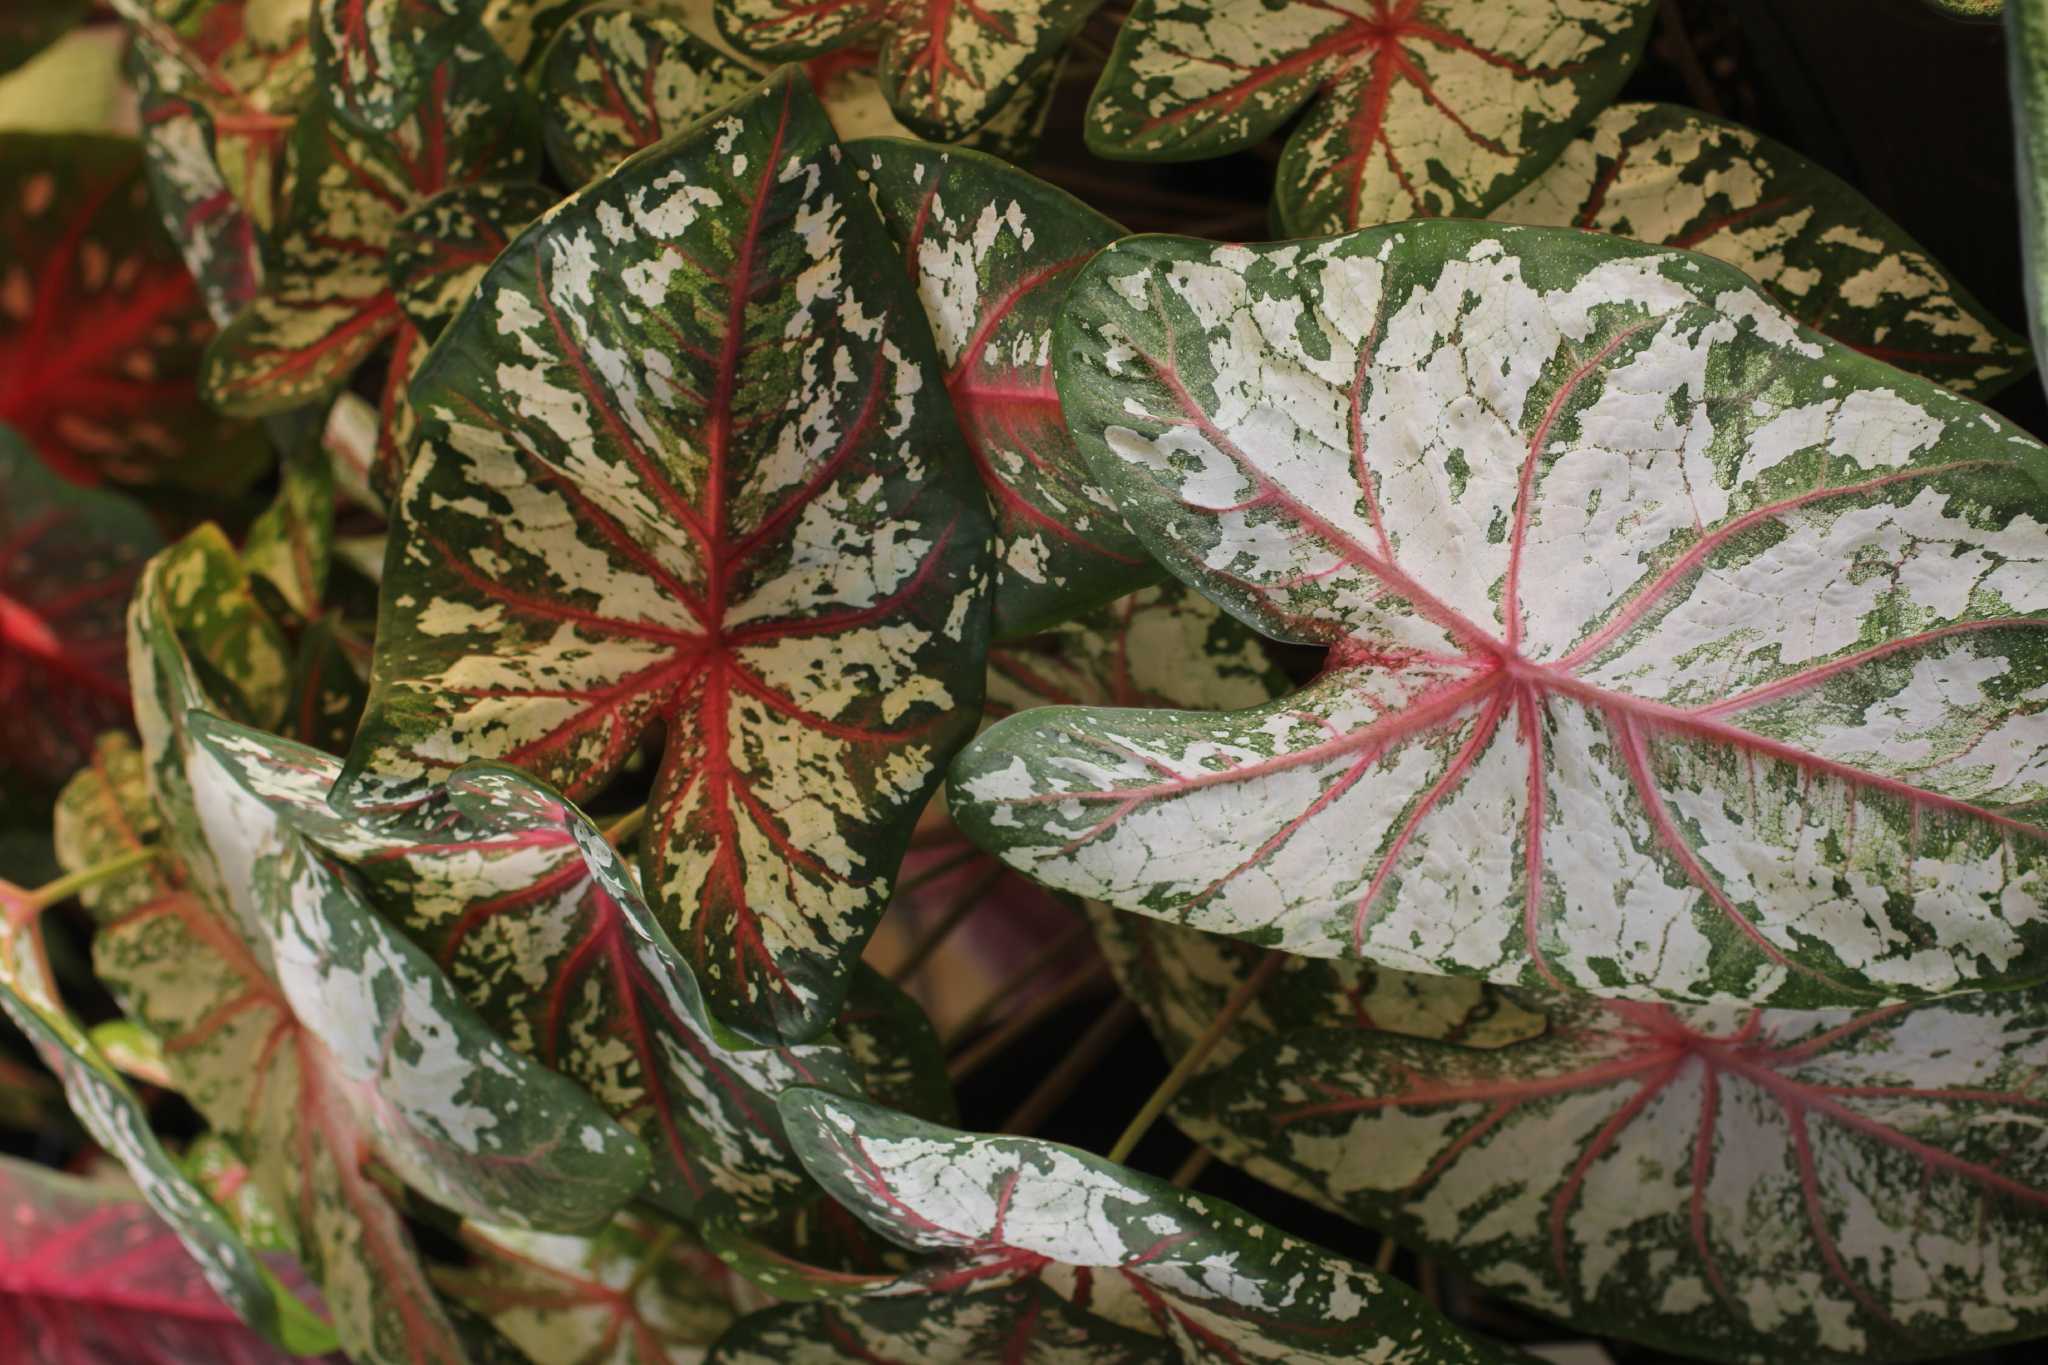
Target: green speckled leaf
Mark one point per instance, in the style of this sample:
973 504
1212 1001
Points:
640 1292
1017 1324
68 559
1422 108
1663 174
519 899
1676 652
948 67
328 686
689 466
328 301
441 249
290 545
2026 55
895 1049
1135 1253
375 55
992 251
617 79
1739 1184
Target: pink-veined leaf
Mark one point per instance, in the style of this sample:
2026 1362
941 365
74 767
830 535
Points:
948 68
1675 652
101 328
497 884
441 249
328 302
88 1273
1733 1183
725 498
1037 1236
992 251
301 1026
68 559
1421 108
1660 173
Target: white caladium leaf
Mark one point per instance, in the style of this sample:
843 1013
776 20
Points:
992 250
726 499
441 249
542 928
328 300
102 815
1739 1184
946 70
303 1028
639 1292
1616 698
1131 1252
2026 55
1674 176
1421 108
1025 1323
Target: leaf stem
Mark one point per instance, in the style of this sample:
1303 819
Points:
1191 1061
1051 1092
1190 1170
69 885
621 830
955 915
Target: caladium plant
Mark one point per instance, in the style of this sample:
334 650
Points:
1715 758
1418 108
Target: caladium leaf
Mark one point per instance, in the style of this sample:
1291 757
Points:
68 559
1422 108
1719 758
328 300
92 1274
526 907
617 79
1738 1184
1216 1284
761 534
891 1041
1025 1323
100 326
328 687
640 1292
290 545
1661 173
2026 55
376 55
307 1031
218 239
441 249
992 251
946 71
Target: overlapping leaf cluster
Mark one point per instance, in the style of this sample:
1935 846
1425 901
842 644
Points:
1545 722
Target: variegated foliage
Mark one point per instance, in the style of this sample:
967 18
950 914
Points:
1025 1236
93 1275
441 249
376 56
1421 108
1660 173
1676 652
305 1030
220 83
88 833
329 300
68 559
947 69
690 468
536 921
2026 55
992 251
1754 1185
617 78
101 328
639 1292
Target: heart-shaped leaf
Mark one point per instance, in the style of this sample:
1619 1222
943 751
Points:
93 1274
441 249
946 70
1661 173
375 55
526 907
992 251
306 1030
1676 652
100 326
726 498
641 1292
2026 55
1131 1252
1738 1184
1421 108
68 558
328 301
